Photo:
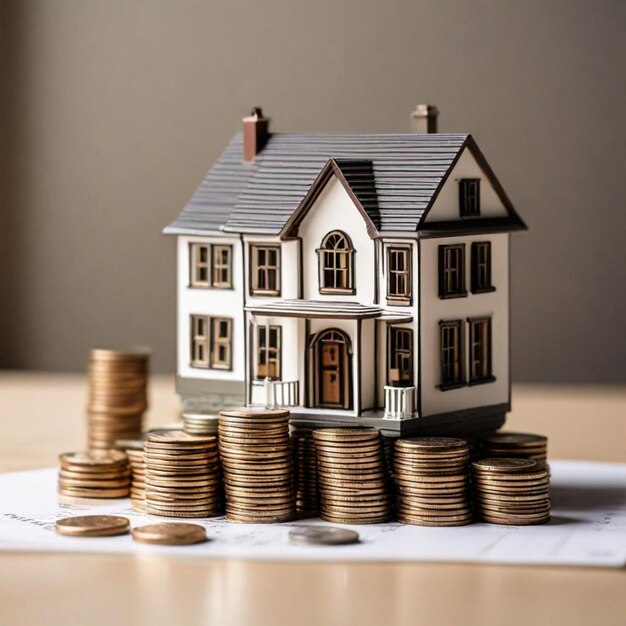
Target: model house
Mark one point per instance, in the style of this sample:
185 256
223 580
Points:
354 278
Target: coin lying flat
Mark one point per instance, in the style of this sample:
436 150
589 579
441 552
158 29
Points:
170 534
322 536
92 526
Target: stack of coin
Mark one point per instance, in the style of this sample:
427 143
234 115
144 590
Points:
200 424
182 475
353 476
103 474
117 395
256 458
432 481
511 491
134 451
305 468
516 446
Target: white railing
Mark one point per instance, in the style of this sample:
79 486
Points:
399 403
281 393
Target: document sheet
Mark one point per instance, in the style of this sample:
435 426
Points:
588 528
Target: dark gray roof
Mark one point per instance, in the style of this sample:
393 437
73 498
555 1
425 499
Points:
395 177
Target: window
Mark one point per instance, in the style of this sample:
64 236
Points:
221 343
481 267
211 265
335 259
400 372
469 197
265 270
452 374
398 275
222 267
199 265
199 341
268 352
211 342
480 350
452 271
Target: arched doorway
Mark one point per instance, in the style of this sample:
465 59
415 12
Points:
331 369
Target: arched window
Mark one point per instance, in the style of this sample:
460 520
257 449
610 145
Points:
336 263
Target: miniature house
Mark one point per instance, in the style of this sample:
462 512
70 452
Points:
354 278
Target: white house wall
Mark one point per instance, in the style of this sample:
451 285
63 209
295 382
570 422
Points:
334 210
433 310
446 206
211 302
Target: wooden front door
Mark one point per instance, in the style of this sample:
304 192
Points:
332 371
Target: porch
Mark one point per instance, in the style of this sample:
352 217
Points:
329 360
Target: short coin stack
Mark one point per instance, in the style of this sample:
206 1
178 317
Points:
353 477
200 424
103 474
117 395
134 451
511 491
255 451
182 475
516 446
305 467
432 481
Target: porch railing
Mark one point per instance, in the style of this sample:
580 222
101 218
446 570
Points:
281 393
399 403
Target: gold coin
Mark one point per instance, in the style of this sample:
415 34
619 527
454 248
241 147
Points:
504 465
515 439
420 521
104 484
248 518
92 492
92 526
439 444
170 534
91 460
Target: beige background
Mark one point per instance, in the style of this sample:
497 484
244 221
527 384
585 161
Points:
113 110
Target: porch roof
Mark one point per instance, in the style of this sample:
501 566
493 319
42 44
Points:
333 309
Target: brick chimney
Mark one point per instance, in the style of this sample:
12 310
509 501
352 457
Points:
424 119
255 134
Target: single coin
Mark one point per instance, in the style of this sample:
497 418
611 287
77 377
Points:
515 439
345 434
88 492
170 534
322 536
93 459
443 444
100 484
505 465
92 526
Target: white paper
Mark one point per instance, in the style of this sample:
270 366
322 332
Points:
588 528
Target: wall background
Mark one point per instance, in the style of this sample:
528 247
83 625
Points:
113 110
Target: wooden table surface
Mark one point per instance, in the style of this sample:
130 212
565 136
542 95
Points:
42 415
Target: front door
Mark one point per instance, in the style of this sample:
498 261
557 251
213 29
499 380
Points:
332 370
331 373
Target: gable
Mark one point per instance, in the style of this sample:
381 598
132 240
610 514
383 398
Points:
356 177
446 205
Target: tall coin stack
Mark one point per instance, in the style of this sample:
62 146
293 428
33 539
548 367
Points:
305 468
511 491
353 476
516 446
94 475
117 396
182 475
134 450
432 481
255 451
200 424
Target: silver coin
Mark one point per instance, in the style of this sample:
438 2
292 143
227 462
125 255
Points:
322 536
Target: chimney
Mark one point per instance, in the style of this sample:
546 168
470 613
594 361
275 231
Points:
424 119
255 134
